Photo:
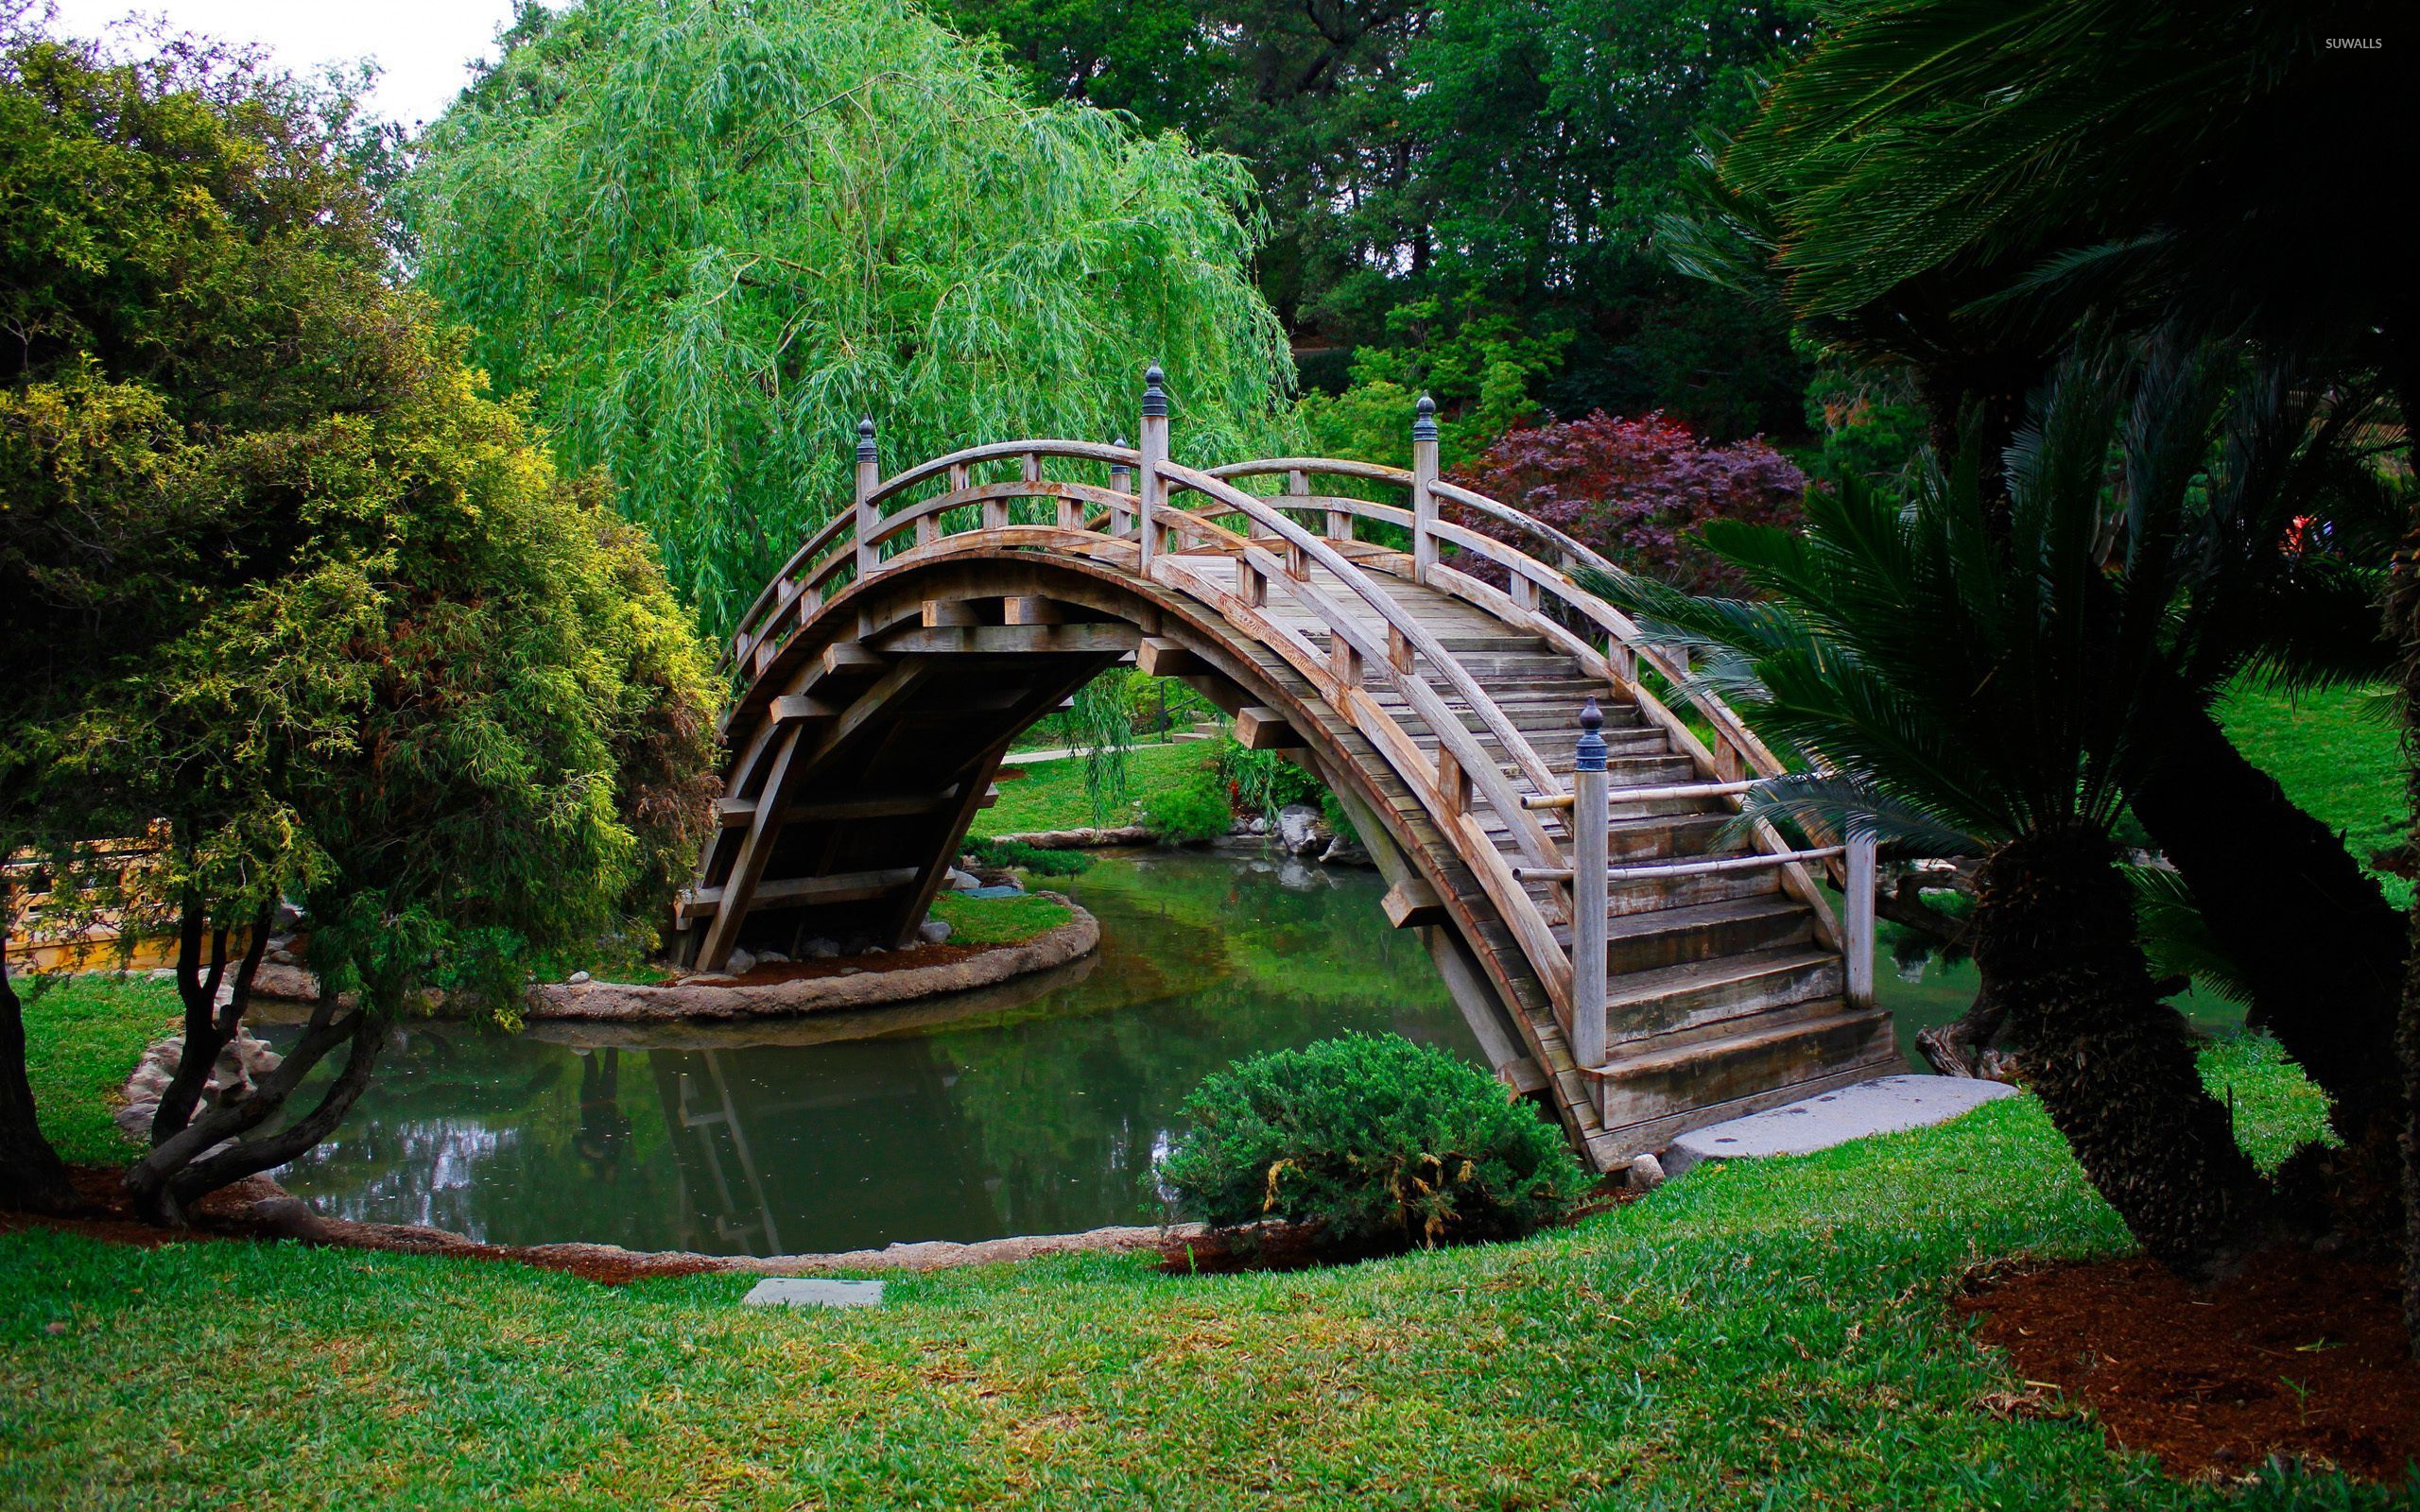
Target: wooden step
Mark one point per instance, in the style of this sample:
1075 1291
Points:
1661 836
1675 999
1654 1083
1670 937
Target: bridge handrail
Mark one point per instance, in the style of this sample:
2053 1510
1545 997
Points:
1495 874
1319 550
1732 739
1000 452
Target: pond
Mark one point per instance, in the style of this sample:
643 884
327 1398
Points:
1032 1116
1035 1109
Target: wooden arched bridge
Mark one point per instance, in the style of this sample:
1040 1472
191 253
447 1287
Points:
1619 946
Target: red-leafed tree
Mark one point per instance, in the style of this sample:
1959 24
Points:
1636 490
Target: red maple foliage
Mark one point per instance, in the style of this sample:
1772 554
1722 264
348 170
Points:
1635 490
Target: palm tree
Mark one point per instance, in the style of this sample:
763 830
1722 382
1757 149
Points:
1954 185
1966 685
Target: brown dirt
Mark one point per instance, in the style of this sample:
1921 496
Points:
1278 1246
2302 1356
250 1212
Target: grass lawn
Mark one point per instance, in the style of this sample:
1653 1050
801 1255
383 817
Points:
2338 753
1753 1335
997 921
83 1036
1051 795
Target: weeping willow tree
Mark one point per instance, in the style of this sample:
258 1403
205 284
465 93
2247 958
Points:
708 235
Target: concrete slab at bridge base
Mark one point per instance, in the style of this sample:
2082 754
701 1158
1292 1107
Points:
1883 1106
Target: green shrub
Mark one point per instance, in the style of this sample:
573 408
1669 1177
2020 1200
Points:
1193 810
1380 1142
1262 781
1039 860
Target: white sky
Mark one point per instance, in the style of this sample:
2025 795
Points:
424 47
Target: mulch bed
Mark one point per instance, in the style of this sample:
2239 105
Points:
2303 1356
108 1215
1283 1247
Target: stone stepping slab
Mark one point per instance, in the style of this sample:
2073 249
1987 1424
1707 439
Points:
1886 1105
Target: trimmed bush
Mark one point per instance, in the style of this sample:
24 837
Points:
1041 860
1380 1142
1194 811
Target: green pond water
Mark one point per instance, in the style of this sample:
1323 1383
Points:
1034 1108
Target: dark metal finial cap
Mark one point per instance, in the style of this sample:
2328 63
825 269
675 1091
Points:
1591 754
865 439
1155 398
1119 468
1423 423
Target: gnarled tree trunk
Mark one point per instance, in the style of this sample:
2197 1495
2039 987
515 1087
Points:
189 1165
32 1178
2315 939
2055 935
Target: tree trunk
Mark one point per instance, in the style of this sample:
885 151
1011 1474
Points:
2320 947
208 1029
32 1178
2054 936
189 1165
2403 626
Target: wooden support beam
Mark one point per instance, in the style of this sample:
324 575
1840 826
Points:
1011 640
1026 610
802 709
790 892
843 658
991 795
1411 902
873 806
1260 727
748 864
1159 657
938 612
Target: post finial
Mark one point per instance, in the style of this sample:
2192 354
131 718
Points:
1591 754
1423 422
1119 468
865 439
1155 398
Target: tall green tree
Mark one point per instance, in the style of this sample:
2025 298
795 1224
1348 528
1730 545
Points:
284 598
1465 193
707 238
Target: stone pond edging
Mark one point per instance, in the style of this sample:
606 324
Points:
697 999
709 999
273 1212
1083 839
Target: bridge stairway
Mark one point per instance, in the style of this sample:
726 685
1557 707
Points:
1723 990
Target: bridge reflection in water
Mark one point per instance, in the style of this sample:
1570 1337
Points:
1034 1108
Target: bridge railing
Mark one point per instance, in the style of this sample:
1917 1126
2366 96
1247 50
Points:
1304 546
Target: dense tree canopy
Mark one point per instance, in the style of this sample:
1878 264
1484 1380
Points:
708 237
281 590
1463 193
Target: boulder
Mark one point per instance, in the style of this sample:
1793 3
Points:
1646 1173
1343 852
934 931
960 881
1299 830
740 963
823 949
